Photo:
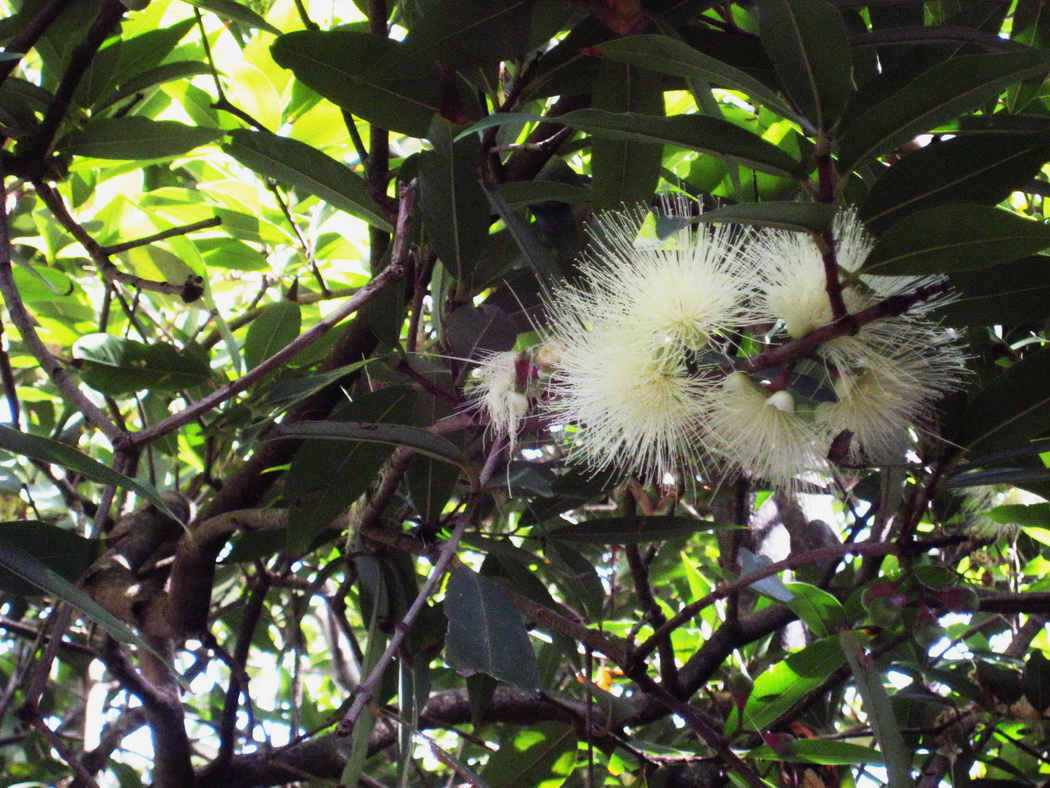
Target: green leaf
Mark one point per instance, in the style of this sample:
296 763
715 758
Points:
486 633
936 96
290 161
235 12
378 79
521 194
47 450
414 438
453 203
529 241
807 42
1036 515
64 552
168 72
290 391
692 132
120 366
812 217
820 611
135 137
771 586
20 563
541 756
877 705
277 325
577 577
667 55
625 171
830 753
431 483
982 168
788 681
632 530
1008 293
1011 408
325 477
955 238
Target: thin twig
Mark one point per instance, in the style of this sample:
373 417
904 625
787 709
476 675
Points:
368 687
185 229
23 322
26 38
33 717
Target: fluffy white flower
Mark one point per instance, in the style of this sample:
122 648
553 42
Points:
888 383
628 375
498 394
761 433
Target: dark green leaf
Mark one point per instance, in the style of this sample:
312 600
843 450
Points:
820 611
293 162
632 530
120 366
813 217
20 563
168 72
577 578
1001 681
325 477
1036 515
981 168
135 137
1009 293
471 331
669 56
693 132
277 325
453 203
1012 408
1036 680
64 552
955 238
431 483
528 239
625 171
831 753
415 438
879 710
935 96
378 79
806 40
524 193
47 450
235 12
540 757
486 633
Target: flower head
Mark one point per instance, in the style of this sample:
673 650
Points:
761 432
499 392
629 374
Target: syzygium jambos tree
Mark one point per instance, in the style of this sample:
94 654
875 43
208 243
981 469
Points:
524 393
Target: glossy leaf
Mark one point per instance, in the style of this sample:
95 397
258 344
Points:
542 756
936 96
955 238
788 681
414 438
832 753
667 55
485 632
47 450
431 483
1012 408
771 586
327 476
277 325
135 137
811 217
625 171
292 162
120 366
1036 680
895 752
820 611
64 552
692 132
377 79
1005 294
454 206
806 40
233 11
981 168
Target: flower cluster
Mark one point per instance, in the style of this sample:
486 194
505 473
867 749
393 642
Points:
651 349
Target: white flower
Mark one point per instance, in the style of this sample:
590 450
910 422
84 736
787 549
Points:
498 393
628 375
887 384
761 433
